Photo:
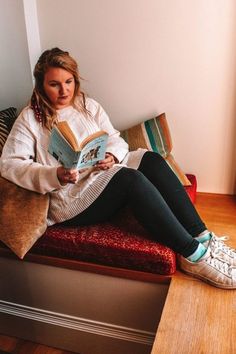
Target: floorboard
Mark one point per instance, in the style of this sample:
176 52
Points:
20 346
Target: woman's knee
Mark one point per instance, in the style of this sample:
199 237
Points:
130 176
129 180
152 163
150 159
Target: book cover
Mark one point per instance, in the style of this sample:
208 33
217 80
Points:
65 148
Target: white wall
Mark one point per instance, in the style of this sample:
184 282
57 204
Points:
140 58
32 32
16 83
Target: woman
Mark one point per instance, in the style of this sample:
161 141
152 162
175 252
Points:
140 179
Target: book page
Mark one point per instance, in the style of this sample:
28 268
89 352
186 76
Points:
93 151
92 137
61 150
66 131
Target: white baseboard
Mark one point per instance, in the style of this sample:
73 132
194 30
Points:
77 323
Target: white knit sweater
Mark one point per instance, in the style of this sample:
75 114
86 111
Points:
26 161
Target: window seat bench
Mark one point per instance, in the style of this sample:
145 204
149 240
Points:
102 286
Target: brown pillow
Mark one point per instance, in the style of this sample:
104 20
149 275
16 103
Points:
22 217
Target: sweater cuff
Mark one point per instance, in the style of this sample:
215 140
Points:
48 174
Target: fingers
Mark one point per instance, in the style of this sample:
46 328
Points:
67 176
71 176
107 163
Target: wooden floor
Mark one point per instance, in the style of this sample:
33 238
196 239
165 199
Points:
198 318
20 346
219 213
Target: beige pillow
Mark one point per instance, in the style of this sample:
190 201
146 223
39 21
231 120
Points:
22 217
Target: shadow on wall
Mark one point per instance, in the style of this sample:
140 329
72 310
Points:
234 157
234 152
230 152
234 170
234 140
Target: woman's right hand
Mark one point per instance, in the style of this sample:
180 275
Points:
65 175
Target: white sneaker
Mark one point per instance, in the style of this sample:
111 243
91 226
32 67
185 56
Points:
211 269
220 249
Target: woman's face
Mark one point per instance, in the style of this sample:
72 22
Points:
59 87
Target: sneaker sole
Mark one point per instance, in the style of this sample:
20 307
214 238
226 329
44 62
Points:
211 282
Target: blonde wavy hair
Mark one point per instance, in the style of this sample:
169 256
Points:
44 112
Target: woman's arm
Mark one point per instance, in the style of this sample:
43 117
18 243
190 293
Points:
18 161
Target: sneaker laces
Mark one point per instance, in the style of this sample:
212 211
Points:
224 267
217 243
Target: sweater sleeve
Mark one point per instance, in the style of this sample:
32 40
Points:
116 145
18 164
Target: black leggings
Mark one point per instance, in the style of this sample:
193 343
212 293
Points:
157 199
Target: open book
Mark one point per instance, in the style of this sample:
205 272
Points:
64 146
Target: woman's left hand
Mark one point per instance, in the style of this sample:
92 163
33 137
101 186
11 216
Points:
107 163
67 175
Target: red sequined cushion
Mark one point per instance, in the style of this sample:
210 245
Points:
121 242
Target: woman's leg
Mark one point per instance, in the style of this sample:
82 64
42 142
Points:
131 187
155 168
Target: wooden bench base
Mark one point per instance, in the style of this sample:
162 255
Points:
83 310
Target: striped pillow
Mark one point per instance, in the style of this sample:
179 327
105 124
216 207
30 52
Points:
177 170
7 119
154 135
